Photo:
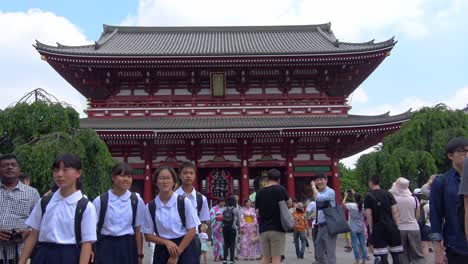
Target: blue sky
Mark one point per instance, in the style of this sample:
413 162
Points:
427 66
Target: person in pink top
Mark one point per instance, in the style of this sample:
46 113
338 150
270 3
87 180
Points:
408 213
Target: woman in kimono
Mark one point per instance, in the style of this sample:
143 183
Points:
216 216
249 232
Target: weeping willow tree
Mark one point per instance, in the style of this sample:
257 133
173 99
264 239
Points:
40 131
417 150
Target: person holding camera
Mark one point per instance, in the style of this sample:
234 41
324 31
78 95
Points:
356 223
16 203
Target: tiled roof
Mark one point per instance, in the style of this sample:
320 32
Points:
167 124
216 41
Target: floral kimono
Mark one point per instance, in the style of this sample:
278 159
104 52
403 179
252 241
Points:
250 244
216 216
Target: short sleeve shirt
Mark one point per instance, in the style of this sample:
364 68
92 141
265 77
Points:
168 220
15 206
267 204
380 202
57 225
119 214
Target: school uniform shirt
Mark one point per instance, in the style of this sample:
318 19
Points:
204 212
168 220
57 225
119 214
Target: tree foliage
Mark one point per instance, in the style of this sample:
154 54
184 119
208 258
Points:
348 180
39 132
417 150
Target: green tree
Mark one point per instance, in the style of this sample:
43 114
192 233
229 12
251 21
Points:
348 180
39 132
417 150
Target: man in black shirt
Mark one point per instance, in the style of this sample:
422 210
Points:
382 217
272 235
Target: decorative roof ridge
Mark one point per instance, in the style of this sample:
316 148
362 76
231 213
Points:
407 113
390 41
104 38
328 35
185 29
40 45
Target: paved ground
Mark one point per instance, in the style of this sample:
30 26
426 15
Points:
341 255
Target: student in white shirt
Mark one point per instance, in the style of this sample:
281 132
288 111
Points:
119 236
187 176
55 229
174 239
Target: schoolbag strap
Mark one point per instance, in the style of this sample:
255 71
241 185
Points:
80 209
134 201
104 199
199 197
181 209
45 201
152 209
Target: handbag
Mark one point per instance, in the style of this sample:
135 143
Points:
287 220
336 220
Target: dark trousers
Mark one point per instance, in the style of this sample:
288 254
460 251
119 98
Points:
455 258
10 261
229 236
191 254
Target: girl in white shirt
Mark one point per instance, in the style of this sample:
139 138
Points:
55 229
175 242
119 237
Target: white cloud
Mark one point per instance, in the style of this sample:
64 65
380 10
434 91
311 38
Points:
350 162
359 96
22 68
351 20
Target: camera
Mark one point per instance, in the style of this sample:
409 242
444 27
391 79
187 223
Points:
349 191
16 235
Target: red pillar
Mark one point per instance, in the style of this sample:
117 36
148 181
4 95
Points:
244 182
148 183
290 179
196 183
335 178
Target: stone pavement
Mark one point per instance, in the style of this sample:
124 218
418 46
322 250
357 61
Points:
341 255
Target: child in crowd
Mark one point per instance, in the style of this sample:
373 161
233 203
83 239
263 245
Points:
204 246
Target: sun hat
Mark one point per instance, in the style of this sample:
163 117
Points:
401 187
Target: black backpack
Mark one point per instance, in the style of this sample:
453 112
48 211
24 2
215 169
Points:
80 208
228 217
180 209
104 198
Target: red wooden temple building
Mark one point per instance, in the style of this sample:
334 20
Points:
236 101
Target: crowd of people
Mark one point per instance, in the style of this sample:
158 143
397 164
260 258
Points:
58 228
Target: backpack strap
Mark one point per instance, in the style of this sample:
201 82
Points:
45 201
199 197
181 209
80 209
104 199
152 209
134 202
415 206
